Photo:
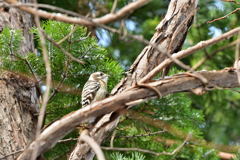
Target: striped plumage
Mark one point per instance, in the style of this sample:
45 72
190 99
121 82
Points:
95 88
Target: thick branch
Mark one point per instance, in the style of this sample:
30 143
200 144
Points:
224 79
168 39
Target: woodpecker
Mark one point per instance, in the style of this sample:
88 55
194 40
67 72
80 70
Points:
95 88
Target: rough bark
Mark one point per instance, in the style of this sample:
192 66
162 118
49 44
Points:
18 111
169 37
17 19
178 83
18 99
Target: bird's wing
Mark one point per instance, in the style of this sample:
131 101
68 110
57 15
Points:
89 92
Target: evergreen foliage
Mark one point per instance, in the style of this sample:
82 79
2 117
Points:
212 117
66 73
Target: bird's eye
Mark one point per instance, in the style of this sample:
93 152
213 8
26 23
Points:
101 74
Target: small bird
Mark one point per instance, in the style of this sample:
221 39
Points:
95 88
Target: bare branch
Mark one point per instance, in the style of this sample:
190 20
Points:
48 83
149 151
62 49
67 140
187 52
111 17
224 79
112 138
237 58
91 142
39 5
195 140
233 1
217 19
209 56
73 29
143 135
114 6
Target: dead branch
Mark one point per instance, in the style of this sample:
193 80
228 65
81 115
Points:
92 143
111 17
49 137
217 19
204 59
48 83
195 140
143 135
62 49
149 151
187 52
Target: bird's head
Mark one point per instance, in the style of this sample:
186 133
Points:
99 76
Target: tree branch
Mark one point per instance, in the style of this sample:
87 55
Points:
168 39
226 78
149 151
108 18
48 83
189 51
91 142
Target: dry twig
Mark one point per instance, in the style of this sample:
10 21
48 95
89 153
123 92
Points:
217 19
50 136
111 17
149 151
186 52
209 56
63 50
48 83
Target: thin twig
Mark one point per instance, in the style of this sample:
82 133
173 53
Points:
209 56
112 138
190 50
114 6
217 19
67 140
64 76
149 151
63 50
233 1
22 59
48 83
74 28
142 135
39 5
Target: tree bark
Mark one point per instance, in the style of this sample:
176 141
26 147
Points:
18 114
17 19
169 37
18 97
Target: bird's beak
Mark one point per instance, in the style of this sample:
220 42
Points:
106 76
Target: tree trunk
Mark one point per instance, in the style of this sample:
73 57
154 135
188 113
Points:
18 114
169 37
16 19
18 99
